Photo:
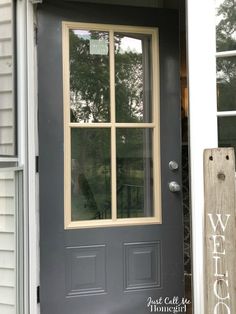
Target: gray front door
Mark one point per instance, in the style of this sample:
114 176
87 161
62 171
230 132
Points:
111 231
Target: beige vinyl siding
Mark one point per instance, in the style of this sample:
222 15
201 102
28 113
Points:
7 243
7 120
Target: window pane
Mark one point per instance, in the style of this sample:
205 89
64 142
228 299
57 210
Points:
134 173
89 76
225 25
90 174
7 103
133 77
227 132
226 83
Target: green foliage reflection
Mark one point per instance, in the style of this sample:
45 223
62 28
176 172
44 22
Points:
89 80
226 66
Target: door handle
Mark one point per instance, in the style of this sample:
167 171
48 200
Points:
174 186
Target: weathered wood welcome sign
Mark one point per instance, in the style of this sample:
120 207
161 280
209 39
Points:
220 231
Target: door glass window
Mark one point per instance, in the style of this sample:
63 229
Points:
89 76
132 74
226 83
134 173
90 174
226 72
225 25
111 125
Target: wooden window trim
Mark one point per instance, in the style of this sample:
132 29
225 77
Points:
112 125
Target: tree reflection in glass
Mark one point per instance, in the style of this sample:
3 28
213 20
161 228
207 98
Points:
226 83
89 76
132 77
226 25
226 66
90 174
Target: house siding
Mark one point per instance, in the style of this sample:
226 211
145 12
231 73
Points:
7 243
7 114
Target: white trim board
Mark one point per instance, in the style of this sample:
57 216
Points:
27 147
201 47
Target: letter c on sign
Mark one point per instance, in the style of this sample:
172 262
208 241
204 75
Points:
223 304
216 292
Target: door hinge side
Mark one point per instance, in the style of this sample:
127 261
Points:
37 164
38 294
35 35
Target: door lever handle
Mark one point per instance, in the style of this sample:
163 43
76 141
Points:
174 187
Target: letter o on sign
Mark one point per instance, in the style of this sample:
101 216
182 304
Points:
217 307
216 292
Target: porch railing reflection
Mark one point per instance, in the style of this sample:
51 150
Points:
130 202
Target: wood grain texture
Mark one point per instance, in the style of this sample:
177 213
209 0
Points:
220 238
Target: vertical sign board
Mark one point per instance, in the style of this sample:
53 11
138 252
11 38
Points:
220 231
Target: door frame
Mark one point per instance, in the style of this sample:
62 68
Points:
51 148
200 138
202 99
27 146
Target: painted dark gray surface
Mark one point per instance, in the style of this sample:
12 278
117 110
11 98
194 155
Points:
106 270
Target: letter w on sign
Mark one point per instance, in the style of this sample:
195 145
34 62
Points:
218 221
220 231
